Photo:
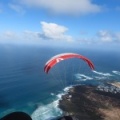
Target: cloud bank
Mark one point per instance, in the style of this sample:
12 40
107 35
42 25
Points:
50 32
69 7
101 37
55 33
108 36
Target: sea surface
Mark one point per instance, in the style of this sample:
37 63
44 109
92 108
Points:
24 86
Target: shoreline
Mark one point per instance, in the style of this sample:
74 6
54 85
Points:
87 103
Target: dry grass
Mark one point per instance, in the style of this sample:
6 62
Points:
110 114
116 84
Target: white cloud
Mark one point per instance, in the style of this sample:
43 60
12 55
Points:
9 34
8 37
25 37
30 35
17 8
69 7
105 36
55 32
50 32
101 37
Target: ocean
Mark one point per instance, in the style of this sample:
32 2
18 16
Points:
24 86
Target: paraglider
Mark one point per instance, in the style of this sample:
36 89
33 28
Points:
56 59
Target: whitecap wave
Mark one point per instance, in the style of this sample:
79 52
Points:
103 74
47 112
116 72
52 94
67 89
100 78
51 110
82 77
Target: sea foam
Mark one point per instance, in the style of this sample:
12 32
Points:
103 74
50 110
82 77
116 72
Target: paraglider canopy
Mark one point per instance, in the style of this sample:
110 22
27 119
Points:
56 59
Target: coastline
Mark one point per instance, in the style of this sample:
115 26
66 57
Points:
88 103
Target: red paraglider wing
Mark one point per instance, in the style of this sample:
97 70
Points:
56 59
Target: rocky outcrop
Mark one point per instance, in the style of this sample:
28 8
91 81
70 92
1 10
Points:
87 103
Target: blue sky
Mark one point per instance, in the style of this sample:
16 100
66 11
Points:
60 22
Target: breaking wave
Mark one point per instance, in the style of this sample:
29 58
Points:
52 94
47 112
116 72
96 76
100 78
103 74
51 110
82 77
